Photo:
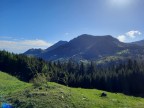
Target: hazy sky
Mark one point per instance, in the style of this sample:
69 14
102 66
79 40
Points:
28 24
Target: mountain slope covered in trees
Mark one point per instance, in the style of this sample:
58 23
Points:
125 76
140 43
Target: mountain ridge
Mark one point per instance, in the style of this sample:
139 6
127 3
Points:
37 52
87 47
140 43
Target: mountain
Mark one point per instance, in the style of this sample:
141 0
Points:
85 47
140 43
38 52
89 47
33 52
55 46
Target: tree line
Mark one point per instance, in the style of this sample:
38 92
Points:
125 77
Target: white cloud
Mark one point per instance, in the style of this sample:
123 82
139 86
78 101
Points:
133 34
38 43
129 36
22 46
121 38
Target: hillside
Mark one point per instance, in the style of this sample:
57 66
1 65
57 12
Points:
34 52
9 84
140 43
58 96
124 76
39 52
88 47
56 45
85 47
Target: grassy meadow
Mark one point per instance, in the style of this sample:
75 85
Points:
24 95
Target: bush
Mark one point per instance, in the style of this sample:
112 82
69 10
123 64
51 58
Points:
40 80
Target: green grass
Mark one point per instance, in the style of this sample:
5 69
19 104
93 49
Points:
59 96
9 84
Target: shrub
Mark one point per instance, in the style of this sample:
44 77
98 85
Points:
40 80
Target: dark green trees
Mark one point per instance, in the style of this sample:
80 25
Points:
126 76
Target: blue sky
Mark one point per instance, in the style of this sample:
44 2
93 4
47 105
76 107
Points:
28 24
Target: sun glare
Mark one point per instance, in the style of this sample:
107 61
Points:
120 3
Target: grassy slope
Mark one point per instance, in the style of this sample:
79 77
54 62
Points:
9 84
59 96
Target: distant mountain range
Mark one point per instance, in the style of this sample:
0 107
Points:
88 47
140 43
38 52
